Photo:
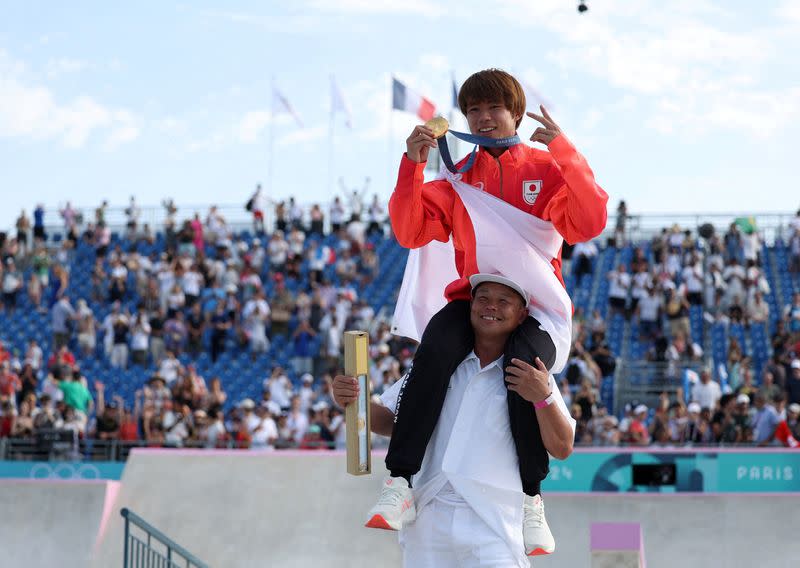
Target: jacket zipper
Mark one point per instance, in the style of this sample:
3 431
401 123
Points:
500 167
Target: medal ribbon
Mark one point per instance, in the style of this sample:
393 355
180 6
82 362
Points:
484 141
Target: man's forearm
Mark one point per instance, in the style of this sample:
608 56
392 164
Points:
382 419
557 434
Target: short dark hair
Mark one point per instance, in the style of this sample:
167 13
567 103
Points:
493 85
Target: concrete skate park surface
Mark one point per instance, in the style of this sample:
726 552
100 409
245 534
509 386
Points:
236 509
51 523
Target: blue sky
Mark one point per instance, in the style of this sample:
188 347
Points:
679 106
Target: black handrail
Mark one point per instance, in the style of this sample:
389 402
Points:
152 532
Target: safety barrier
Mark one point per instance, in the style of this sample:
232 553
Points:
146 546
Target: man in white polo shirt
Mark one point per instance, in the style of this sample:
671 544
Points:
466 506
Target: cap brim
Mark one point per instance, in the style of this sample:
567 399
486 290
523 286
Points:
477 279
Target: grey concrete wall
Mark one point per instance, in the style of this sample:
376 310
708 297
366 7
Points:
49 523
243 509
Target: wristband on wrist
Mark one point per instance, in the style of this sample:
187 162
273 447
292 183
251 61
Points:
547 401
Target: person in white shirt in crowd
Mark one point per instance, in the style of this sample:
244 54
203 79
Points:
216 225
295 214
337 214
265 434
249 419
278 250
751 247
12 284
620 285
257 255
641 280
319 256
192 283
756 281
675 238
212 430
176 423
170 368
582 256
87 328
357 234
256 314
692 275
706 392
735 276
649 311
376 216
279 387
34 356
132 212
467 505
306 392
297 420
758 309
355 198
715 286
258 205
140 338
296 242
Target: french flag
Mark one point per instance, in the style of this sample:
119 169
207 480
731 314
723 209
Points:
405 99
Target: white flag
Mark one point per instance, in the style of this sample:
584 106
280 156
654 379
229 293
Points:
280 104
534 97
513 243
338 103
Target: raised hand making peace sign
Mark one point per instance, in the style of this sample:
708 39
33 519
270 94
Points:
549 129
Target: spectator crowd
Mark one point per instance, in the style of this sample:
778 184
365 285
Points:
158 300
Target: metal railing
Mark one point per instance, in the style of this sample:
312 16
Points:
644 381
146 546
637 226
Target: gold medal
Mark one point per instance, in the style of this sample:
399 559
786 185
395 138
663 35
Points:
439 126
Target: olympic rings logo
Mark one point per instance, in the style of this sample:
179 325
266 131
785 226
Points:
65 471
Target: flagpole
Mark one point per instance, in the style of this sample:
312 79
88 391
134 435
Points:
271 172
331 145
388 168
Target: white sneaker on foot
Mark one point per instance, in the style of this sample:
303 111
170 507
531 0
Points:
395 508
535 532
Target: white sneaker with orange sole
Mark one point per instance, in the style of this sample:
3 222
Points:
395 507
536 534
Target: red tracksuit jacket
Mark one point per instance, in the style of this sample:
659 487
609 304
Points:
556 186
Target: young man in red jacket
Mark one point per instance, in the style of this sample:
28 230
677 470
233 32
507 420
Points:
556 186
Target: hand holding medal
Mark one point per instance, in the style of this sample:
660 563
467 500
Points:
424 137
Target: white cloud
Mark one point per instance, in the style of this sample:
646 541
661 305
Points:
788 10
63 66
252 124
694 54
30 111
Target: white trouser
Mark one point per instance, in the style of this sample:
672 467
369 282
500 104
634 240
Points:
453 536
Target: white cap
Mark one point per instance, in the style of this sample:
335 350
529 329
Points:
321 405
742 399
639 409
307 378
796 364
694 407
482 277
271 406
794 407
248 404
